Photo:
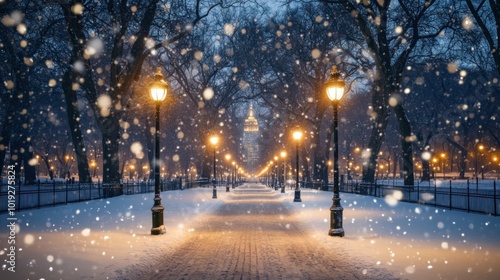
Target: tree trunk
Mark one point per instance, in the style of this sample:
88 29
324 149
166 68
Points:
426 171
110 147
21 134
73 115
377 136
6 134
406 144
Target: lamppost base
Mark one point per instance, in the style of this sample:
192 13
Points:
283 189
214 195
336 232
336 213
297 196
159 230
157 214
227 188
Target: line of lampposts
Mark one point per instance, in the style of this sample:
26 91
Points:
334 89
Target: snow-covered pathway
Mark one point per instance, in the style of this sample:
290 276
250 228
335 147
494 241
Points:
252 235
257 232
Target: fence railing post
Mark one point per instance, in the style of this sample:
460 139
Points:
435 193
54 193
450 196
418 193
468 196
38 194
495 197
67 195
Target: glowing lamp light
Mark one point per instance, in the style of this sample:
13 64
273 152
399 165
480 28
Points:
214 140
334 87
158 88
297 135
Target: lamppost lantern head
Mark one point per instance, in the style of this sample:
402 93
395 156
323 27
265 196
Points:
297 135
334 87
158 88
228 157
214 140
283 154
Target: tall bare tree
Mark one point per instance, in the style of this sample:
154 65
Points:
128 31
392 30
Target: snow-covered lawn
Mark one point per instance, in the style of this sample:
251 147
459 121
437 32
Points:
414 241
99 239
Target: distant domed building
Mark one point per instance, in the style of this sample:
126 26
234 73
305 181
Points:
251 142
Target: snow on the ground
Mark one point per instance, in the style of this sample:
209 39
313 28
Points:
414 241
90 240
97 239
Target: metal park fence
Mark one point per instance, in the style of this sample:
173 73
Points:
51 193
466 196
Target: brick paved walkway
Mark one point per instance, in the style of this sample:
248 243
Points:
253 236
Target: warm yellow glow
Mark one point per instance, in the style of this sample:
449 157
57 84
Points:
434 160
334 87
275 158
297 135
132 167
443 155
228 156
214 140
233 163
158 88
481 147
283 154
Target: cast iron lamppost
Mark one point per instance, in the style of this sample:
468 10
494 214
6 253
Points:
443 157
214 140
334 88
228 158
481 148
233 172
158 90
283 156
131 172
297 135
277 174
271 179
